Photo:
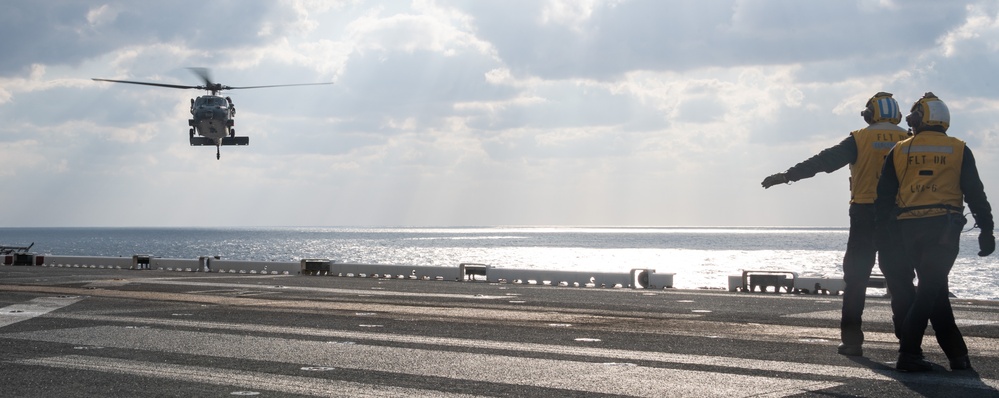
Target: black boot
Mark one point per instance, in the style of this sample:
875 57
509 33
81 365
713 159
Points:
850 350
960 363
912 363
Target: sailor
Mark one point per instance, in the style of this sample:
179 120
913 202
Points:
864 150
925 181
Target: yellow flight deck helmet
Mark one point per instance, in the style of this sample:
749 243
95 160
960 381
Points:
929 113
882 108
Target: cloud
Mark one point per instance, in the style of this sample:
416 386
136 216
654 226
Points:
460 113
70 32
605 39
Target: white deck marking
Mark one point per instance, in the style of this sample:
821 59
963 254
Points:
573 375
983 345
235 378
875 313
15 313
883 314
589 369
594 372
318 289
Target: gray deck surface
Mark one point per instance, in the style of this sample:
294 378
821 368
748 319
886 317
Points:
87 332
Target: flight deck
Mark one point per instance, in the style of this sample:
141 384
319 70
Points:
68 331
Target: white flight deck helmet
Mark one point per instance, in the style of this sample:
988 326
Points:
882 108
929 113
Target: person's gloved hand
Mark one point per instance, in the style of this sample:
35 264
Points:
779 178
986 243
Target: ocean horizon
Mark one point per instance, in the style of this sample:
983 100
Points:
701 257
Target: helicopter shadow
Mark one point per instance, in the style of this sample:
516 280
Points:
940 382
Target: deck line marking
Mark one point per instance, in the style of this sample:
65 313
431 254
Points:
572 375
215 344
236 378
15 313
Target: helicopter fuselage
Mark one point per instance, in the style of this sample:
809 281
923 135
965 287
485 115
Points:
212 117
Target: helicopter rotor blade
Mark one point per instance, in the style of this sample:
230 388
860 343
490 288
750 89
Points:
204 74
146 83
277 85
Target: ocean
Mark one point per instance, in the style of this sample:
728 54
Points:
700 257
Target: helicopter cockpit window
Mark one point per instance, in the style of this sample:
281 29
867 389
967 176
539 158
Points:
211 102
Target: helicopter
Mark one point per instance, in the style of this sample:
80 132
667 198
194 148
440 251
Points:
212 116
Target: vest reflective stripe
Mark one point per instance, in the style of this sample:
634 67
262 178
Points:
873 144
928 167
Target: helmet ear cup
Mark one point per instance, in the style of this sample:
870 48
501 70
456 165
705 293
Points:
915 117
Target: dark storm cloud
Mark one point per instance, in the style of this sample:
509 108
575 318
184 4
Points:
60 33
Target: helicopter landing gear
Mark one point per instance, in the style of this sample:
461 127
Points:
232 132
191 133
218 155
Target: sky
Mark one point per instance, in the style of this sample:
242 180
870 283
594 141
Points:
470 113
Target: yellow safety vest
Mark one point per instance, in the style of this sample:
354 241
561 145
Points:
873 144
928 166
